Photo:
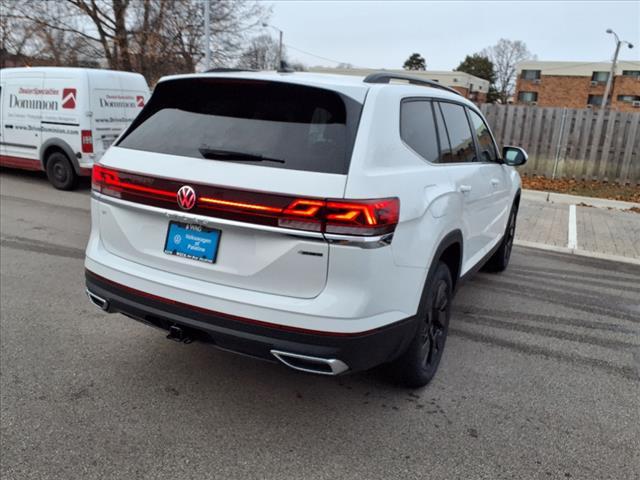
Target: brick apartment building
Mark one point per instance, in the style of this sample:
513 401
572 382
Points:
578 84
470 86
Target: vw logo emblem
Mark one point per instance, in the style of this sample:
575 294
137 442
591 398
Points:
186 197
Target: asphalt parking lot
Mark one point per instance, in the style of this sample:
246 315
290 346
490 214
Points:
540 379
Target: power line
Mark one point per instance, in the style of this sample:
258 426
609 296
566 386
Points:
317 56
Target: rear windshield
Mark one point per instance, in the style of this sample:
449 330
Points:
247 121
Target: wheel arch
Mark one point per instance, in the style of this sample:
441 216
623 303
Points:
450 251
59 145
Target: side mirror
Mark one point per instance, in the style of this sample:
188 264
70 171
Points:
514 156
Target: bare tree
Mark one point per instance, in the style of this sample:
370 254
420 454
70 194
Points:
153 37
261 54
17 37
505 55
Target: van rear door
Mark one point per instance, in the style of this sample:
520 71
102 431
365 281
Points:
115 102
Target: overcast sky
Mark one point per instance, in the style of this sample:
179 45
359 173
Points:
383 34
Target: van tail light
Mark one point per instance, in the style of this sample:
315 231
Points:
333 216
87 141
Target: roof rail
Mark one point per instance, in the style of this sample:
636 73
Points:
386 77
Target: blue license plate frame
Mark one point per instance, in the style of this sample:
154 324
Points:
193 242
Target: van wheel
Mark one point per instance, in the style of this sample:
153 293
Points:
499 261
418 365
60 172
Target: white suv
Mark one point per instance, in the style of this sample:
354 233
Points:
321 220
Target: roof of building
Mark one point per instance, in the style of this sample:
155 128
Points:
447 78
579 69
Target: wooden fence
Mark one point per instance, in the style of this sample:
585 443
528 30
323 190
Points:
571 143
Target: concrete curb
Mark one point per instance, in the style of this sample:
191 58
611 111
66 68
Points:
580 253
565 199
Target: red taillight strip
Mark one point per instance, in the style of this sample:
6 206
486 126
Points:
240 205
140 188
110 178
250 321
348 217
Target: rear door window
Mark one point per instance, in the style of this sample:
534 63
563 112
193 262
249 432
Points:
488 152
265 123
443 136
460 136
417 128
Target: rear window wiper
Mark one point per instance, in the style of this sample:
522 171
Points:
231 156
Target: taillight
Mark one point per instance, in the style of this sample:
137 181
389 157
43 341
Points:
346 217
87 141
125 185
362 217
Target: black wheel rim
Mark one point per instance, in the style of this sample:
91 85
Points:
511 233
433 333
60 173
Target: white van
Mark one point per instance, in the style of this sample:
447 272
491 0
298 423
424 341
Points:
61 120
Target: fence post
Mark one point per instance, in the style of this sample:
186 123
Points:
563 120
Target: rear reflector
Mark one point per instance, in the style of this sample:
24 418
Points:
87 141
347 217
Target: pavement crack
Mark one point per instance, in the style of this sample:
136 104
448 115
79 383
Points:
625 371
38 246
475 319
545 319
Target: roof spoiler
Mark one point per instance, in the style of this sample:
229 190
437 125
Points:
385 77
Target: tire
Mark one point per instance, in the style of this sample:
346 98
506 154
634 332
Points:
417 366
60 172
499 261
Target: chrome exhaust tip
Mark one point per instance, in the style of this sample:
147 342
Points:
98 301
305 363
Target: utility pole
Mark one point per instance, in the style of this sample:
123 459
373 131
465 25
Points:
607 89
279 66
207 35
280 52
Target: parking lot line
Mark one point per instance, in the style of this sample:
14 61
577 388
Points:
573 229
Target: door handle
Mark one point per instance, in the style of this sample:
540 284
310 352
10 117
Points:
8 126
465 188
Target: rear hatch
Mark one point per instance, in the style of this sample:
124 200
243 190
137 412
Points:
246 149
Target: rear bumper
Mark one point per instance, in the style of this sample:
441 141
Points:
359 351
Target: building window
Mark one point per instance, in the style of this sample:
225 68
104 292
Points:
596 100
631 73
600 77
530 74
628 98
528 97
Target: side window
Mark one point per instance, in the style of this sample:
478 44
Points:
417 128
462 146
446 156
488 151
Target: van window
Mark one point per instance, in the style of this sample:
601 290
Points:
488 151
250 121
417 128
462 147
